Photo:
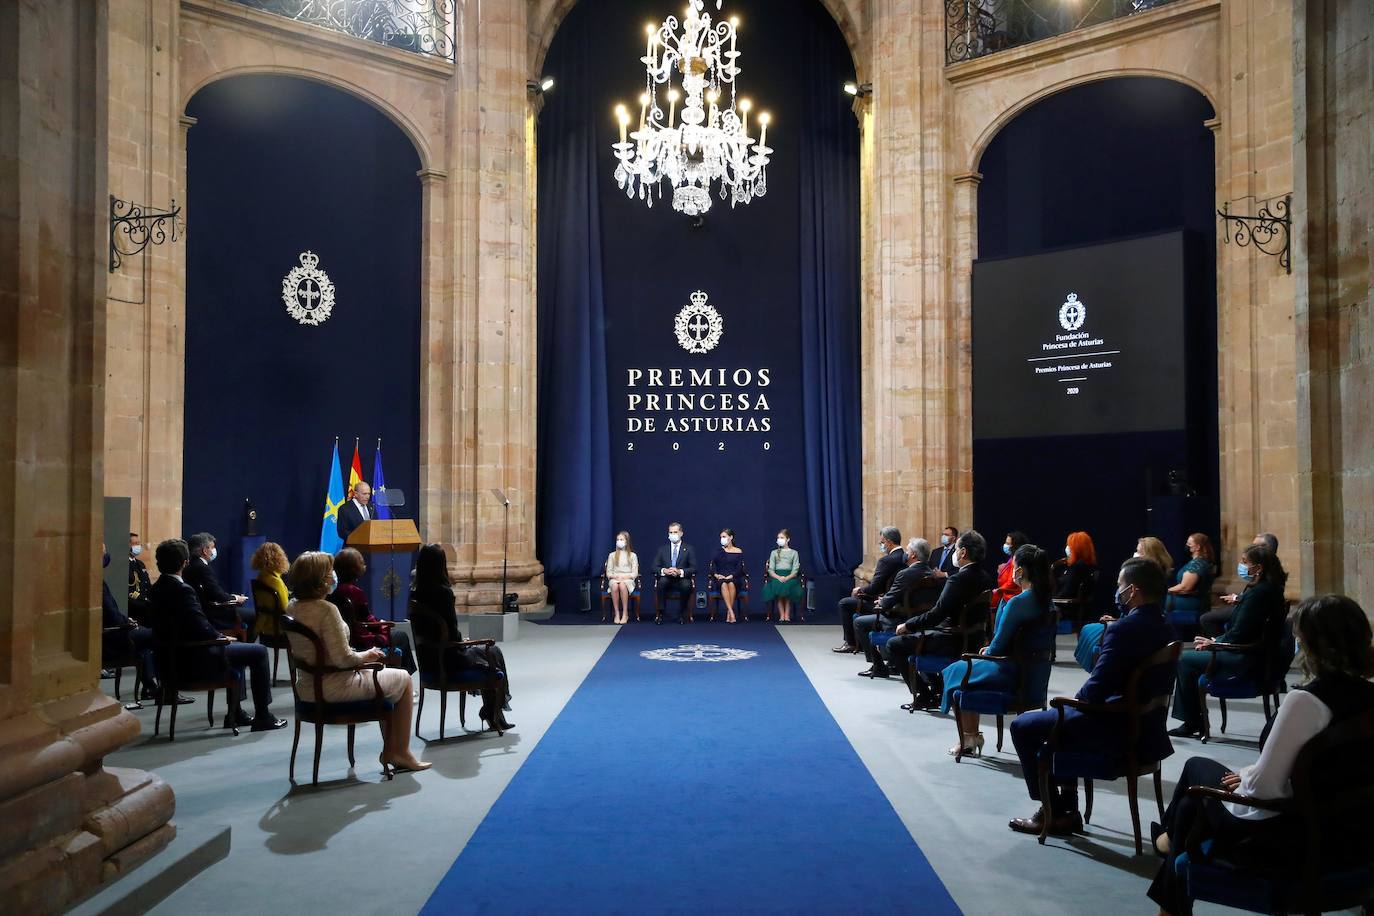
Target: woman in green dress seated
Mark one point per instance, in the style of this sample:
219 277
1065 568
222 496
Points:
783 584
1191 594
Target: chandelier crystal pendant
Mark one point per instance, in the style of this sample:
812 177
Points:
705 139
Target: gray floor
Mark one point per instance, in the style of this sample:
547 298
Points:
357 844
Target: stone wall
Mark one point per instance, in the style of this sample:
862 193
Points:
70 824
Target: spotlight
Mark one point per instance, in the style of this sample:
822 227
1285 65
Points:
539 86
858 90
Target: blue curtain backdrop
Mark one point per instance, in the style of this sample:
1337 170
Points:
265 396
783 271
1108 160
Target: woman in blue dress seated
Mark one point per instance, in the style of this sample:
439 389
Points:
1030 571
1090 637
1191 594
727 568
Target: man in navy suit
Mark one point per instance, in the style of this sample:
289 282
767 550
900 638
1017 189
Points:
891 560
1140 633
675 569
945 560
357 510
225 610
177 616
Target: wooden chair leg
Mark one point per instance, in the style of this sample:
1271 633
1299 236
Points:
1266 700
463 710
210 708
603 607
1203 714
295 743
172 725
419 711
1088 799
1222 703
1159 791
1045 814
157 720
1131 787
959 730
443 711
999 734
635 599
319 744
351 762
276 661
119 671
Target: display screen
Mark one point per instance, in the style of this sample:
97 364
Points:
1082 341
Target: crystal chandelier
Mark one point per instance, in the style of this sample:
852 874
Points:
708 139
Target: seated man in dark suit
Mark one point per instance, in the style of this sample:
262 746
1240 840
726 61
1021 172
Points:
888 614
969 581
124 637
1141 632
177 616
942 559
675 566
357 510
891 560
225 610
139 583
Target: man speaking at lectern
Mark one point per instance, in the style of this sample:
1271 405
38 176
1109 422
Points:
356 511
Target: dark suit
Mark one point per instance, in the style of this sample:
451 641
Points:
127 638
177 616
218 605
1256 608
681 586
959 590
1125 644
888 607
884 571
942 559
140 608
350 518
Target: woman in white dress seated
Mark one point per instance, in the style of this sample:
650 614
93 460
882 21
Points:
312 577
622 568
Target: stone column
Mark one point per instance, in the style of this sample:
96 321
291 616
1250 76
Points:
1333 209
494 377
69 822
914 474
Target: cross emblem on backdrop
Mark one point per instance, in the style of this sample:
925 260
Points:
698 326
308 291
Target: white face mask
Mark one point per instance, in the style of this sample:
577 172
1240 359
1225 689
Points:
333 582
674 537
782 542
620 543
135 550
725 542
1068 552
944 540
214 552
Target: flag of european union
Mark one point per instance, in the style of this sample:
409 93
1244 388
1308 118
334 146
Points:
379 485
330 542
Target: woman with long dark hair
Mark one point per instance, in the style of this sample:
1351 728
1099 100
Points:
1338 659
433 590
1029 608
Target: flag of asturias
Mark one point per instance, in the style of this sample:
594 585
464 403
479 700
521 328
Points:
330 542
379 486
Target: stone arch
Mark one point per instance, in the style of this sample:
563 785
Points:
393 114
545 16
980 143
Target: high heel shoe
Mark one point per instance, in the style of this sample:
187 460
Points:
391 767
972 745
500 726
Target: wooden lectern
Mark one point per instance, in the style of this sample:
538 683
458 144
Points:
388 537
392 535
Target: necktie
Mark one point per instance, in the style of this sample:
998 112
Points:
674 556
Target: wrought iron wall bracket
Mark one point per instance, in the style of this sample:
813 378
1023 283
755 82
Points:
1269 230
134 228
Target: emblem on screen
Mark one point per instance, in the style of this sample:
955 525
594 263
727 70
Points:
307 291
698 326
1072 313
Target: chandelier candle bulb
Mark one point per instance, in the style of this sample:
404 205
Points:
672 106
763 129
643 107
623 117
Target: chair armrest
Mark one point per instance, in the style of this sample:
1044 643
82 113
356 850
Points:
1266 804
1071 703
376 625
222 641
991 658
474 642
1231 647
122 628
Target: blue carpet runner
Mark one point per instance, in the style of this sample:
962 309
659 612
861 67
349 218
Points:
677 787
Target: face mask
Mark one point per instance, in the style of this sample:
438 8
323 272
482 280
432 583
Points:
1006 549
725 542
135 550
1121 605
674 537
1068 552
882 548
105 559
620 543
782 542
214 552
333 582
944 540
1243 571
1136 555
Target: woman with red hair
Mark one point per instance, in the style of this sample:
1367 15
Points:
1080 561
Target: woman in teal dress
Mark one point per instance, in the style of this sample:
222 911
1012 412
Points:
1031 571
1191 594
781 584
